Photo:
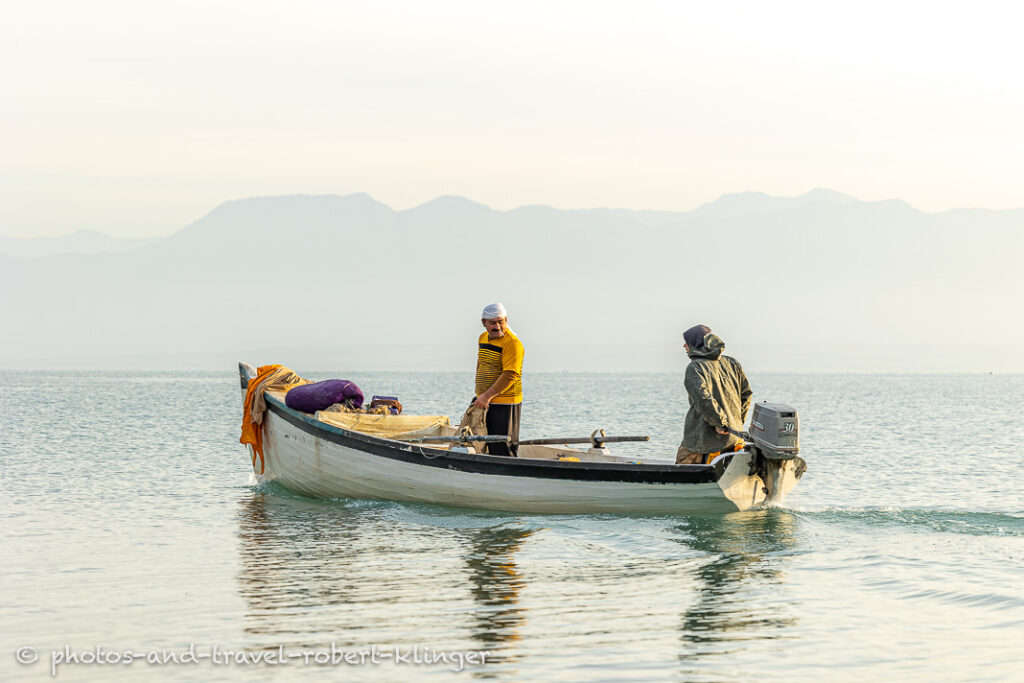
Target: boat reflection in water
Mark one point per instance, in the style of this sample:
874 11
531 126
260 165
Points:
593 594
497 583
297 558
362 573
741 590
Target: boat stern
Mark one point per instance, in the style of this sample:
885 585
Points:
750 479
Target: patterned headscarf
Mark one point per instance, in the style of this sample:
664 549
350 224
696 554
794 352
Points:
493 311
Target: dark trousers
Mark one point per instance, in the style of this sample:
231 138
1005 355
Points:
503 419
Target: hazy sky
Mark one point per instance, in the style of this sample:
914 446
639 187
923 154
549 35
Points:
136 118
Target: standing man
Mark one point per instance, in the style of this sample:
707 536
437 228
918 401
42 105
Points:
499 373
719 399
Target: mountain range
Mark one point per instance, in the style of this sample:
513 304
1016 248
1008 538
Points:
817 282
80 242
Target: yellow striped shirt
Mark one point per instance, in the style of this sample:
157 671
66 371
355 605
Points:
495 356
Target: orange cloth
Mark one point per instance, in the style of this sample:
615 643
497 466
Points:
255 406
711 456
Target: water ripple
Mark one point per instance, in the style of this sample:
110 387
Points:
130 519
936 519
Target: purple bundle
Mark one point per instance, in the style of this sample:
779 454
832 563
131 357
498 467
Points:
310 398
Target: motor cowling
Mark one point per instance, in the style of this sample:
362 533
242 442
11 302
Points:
775 430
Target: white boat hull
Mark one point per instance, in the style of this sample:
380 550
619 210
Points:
318 460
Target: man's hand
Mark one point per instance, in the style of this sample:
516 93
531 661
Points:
503 382
721 430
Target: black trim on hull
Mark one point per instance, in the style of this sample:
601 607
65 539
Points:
490 464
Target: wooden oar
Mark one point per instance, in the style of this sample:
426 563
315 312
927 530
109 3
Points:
597 439
450 439
582 439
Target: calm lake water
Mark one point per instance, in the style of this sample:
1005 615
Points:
131 523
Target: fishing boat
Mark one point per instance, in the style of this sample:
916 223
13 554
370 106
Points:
351 455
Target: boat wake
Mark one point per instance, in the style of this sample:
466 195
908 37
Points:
972 523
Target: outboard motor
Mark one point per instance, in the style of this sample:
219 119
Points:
775 430
774 444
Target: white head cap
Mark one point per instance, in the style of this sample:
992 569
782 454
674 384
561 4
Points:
493 311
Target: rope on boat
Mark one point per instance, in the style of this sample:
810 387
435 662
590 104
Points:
430 457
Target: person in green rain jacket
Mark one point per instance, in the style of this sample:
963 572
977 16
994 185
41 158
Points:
719 396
